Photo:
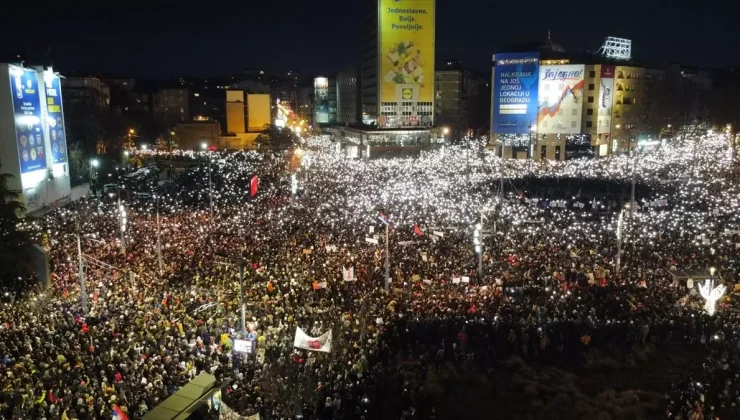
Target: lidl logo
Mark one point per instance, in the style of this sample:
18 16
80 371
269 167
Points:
407 93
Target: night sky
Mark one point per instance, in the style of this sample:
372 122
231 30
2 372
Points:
224 37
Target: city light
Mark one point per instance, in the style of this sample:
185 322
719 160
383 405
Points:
143 147
94 163
204 146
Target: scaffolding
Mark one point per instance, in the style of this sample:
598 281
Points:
616 48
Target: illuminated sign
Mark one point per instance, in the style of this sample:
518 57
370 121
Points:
55 114
515 92
27 112
406 50
560 99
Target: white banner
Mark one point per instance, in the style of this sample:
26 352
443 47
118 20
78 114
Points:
348 274
371 241
321 343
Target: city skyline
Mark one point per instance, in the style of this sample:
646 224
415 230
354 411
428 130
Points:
218 41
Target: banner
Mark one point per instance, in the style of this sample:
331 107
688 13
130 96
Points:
406 57
348 274
606 100
24 87
515 83
321 343
560 99
55 112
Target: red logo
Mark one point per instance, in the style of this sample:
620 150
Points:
314 344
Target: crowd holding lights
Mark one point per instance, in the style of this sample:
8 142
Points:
151 317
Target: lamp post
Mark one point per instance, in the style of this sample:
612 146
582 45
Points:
159 242
387 260
478 242
93 164
81 277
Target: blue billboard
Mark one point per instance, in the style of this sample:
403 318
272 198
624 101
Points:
29 134
515 79
55 112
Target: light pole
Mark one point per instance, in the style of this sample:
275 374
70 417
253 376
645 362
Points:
387 260
159 242
478 242
620 226
122 215
81 277
93 164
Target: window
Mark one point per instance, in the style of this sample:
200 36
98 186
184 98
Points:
589 124
590 111
543 152
590 99
574 112
560 111
591 86
557 152
572 124
592 74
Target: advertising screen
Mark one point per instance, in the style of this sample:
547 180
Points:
55 113
515 78
606 99
560 99
321 98
29 134
406 50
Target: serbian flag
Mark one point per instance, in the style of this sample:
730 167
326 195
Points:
418 231
383 218
118 414
254 184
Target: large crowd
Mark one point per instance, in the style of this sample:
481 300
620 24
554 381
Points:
548 289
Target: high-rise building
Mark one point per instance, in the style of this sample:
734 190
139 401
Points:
455 90
398 53
349 98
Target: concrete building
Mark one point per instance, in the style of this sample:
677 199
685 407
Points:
349 100
192 135
247 116
454 88
549 104
398 61
90 90
33 139
170 107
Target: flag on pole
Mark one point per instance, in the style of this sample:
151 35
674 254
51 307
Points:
418 231
383 218
254 185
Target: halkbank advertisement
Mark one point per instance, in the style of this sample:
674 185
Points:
406 50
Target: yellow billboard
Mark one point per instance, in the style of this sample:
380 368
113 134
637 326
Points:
406 50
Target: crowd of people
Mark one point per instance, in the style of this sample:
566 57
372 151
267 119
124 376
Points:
548 286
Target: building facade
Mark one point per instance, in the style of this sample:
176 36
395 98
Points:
549 105
171 106
90 90
397 68
33 138
349 98
455 88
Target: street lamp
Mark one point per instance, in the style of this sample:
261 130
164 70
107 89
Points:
131 131
93 164
446 131
478 242
126 153
204 146
143 147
